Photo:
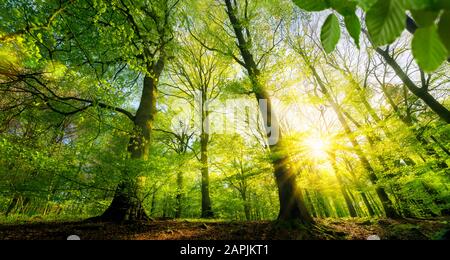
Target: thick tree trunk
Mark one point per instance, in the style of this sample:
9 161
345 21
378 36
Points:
126 205
292 206
127 201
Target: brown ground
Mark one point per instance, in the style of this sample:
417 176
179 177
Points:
194 230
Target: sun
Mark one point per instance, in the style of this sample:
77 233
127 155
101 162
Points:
317 147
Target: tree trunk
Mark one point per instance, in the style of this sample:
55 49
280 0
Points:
179 197
340 180
247 208
311 204
347 198
207 211
206 200
368 205
408 121
153 203
386 202
292 206
127 201
441 145
421 93
12 205
126 205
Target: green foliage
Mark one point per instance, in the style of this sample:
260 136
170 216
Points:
312 5
428 49
386 20
67 80
353 27
444 30
424 18
331 33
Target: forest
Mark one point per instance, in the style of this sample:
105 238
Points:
225 119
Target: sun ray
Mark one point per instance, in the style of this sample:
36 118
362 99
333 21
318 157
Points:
317 146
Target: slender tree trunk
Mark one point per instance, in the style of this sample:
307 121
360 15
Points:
408 121
421 93
207 211
179 197
360 189
292 206
247 208
386 202
340 180
322 205
206 200
153 203
372 113
347 198
359 210
311 204
445 149
367 203
127 201
375 205
12 205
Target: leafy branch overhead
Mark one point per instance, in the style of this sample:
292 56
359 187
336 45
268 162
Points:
386 20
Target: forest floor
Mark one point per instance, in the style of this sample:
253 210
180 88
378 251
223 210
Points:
330 229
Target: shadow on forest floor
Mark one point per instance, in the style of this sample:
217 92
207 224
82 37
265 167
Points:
329 229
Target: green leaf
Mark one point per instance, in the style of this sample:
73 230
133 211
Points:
312 5
331 33
444 30
353 27
443 4
417 4
386 21
428 49
424 18
344 7
366 4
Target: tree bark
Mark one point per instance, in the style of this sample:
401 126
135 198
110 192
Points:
207 211
179 197
206 199
247 208
128 200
